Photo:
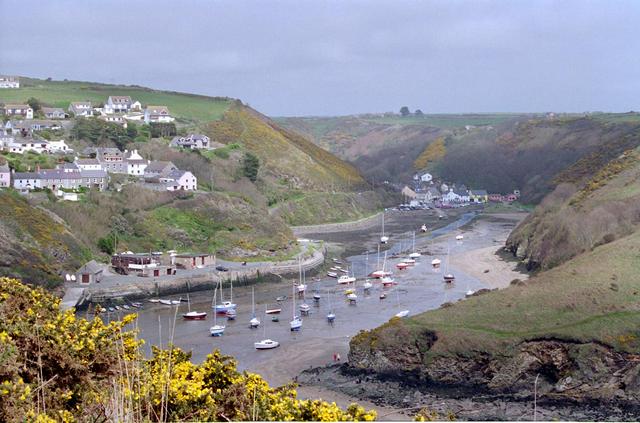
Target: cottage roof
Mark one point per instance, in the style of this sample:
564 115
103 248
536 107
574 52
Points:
177 174
158 110
46 110
120 99
159 166
479 192
87 162
4 168
81 103
7 78
91 267
25 175
16 106
133 156
93 173
461 192
57 174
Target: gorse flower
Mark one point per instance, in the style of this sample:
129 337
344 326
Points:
57 367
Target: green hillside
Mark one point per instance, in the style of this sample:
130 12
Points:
61 93
35 245
579 216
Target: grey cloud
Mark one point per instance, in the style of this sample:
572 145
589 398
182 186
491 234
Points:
337 57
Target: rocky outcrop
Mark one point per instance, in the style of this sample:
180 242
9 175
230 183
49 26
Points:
566 370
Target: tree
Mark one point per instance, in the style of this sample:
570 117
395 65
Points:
35 104
159 129
251 166
418 112
404 111
107 244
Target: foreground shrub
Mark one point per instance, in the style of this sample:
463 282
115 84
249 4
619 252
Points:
57 367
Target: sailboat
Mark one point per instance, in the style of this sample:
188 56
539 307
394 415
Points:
352 296
331 316
381 273
414 255
316 293
193 315
254 322
225 306
448 276
304 307
302 286
367 285
346 278
383 239
296 321
266 343
216 329
403 313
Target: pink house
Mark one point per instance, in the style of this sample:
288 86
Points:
510 198
5 176
495 197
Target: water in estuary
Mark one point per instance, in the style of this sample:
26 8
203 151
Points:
419 288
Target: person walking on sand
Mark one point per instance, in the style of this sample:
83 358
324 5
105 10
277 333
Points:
335 357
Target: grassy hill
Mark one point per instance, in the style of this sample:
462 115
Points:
36 245
61 93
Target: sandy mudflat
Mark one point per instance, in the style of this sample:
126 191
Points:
476 261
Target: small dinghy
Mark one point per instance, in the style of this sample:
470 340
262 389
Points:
403 313
266 344
194 315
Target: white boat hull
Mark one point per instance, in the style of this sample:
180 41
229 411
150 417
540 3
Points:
403 313
216 330
266 344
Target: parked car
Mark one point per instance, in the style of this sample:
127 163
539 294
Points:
222 268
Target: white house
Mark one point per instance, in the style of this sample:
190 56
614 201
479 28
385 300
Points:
192 141
136 105
9 81
25 181
23 110
5 176
117 104
426 177
53 113
22 146
136 164
117 119
158 114
59 147
180 180
88 164
451 197
81 108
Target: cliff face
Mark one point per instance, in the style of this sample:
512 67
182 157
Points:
579 371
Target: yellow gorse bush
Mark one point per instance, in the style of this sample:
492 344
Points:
57 367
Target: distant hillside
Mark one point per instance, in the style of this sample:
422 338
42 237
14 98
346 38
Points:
191 107
385 147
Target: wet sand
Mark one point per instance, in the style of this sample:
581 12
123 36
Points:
486 264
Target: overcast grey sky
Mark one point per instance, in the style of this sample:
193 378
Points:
341 57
